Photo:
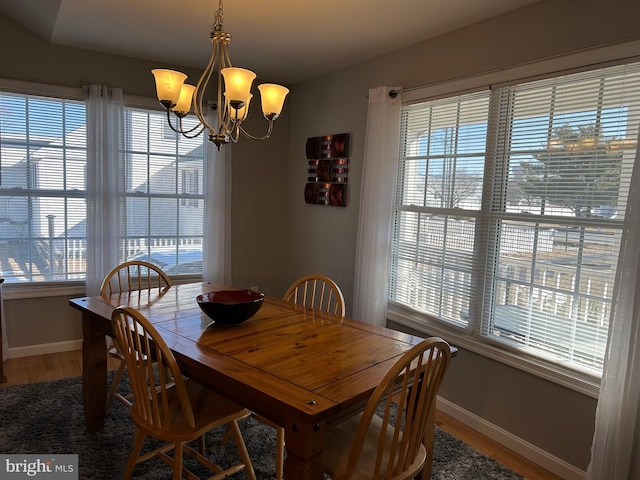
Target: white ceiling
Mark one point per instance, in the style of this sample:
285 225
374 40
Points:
284 41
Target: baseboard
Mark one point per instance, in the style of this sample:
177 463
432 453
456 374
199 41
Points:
510 441
44 348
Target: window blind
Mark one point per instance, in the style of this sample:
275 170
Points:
42 188
510 208
164 194
556 217
438 202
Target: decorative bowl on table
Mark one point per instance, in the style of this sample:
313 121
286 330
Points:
230 307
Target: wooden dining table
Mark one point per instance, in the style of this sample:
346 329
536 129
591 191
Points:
299 368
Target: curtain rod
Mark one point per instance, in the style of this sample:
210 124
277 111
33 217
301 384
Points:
394 93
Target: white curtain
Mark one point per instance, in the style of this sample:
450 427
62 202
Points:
5 340
376 205
105 149
615 452
216 251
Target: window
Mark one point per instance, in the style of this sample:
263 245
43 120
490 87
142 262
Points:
42 188
43 191
164 210
510 209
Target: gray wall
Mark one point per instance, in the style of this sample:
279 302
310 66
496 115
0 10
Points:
258 205
277 237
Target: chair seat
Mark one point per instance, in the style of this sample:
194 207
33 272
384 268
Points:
209 409
338 443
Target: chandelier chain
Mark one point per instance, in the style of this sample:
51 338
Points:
217 18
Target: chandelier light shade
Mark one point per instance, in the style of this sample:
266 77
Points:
272 98
233 94
168 85
183 105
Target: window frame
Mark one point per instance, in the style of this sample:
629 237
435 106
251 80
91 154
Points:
23 290
134 105
470 338
20 290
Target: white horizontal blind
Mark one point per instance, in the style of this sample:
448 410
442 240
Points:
567 146
42 188
164 194
438 201
510 208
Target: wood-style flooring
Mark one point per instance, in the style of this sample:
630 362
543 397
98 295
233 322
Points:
69 364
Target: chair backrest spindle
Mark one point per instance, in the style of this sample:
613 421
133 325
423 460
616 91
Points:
317 292
134 275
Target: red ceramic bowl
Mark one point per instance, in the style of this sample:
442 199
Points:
230 307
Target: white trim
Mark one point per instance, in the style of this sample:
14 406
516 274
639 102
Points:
45 348
462 338
136 101
19 290
529 451
42 89
71 93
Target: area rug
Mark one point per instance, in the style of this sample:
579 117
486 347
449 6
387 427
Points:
48 418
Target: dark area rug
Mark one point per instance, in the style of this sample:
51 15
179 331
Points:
48 418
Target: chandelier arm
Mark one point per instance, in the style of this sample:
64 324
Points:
195 135
179 130
199 93
264 137
224 114
224 123
168 110
234 135
226 59
220 54
185 133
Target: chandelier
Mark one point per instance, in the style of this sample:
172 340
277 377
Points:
234 94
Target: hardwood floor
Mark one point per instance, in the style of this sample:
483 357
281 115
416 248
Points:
493 449
69 364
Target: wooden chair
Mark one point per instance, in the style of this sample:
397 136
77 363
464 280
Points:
168 407
368 446
318 292
127 277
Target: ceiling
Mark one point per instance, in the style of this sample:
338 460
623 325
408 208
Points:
284 41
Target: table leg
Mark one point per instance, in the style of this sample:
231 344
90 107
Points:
304 443
94 375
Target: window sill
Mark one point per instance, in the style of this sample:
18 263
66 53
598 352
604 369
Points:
584 384
14 291
20 290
